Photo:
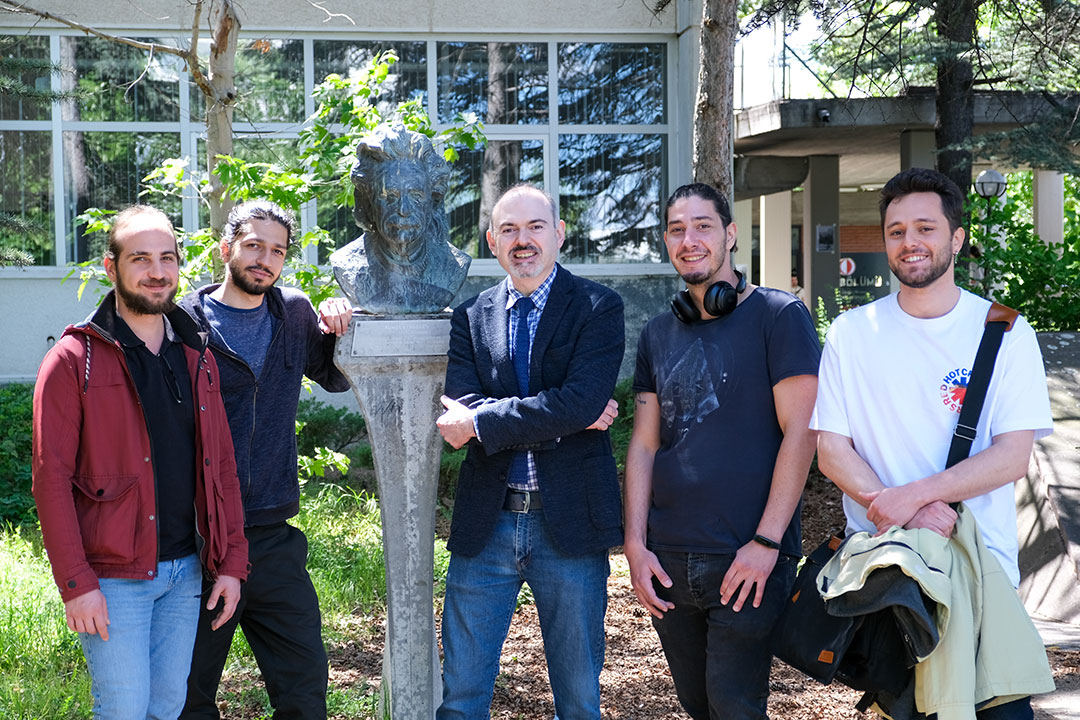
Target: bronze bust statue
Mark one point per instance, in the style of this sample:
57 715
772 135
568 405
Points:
404 262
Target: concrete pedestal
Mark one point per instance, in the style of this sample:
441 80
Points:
396 365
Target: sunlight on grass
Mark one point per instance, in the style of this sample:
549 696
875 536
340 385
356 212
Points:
42 673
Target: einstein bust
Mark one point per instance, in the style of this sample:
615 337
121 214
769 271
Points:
403 262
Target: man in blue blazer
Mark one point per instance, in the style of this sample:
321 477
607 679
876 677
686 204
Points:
533 363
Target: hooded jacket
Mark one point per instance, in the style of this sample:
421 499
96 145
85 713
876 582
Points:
262 410
989 652
93 464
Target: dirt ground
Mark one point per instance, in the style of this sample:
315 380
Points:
635 682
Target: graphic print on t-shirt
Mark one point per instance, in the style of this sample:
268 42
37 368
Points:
954 388
688 393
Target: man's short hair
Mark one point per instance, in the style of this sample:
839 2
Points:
522 187
245 212
122 218
919 180
705 192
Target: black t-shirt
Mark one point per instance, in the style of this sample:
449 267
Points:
719 434
164 387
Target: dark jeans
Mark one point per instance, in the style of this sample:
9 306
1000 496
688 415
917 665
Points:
1015 710
719 658
279 614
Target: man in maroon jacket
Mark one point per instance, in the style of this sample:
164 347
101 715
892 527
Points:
135 479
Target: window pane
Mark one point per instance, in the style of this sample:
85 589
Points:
26 194
408 76
105 170
502 162
500 82
269 81
476 180
612 83
275 150
25 59
107 73
610 192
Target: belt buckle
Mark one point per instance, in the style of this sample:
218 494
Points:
528 501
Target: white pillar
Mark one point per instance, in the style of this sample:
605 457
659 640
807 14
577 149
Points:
1048 205
742 212
776 240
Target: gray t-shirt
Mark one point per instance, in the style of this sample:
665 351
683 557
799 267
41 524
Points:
246 332
719 434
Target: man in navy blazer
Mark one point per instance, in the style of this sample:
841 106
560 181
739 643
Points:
533 363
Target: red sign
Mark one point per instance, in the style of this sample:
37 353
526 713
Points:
847 267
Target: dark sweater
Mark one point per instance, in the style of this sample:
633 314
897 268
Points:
262 410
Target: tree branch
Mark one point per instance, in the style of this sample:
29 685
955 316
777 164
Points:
330 15
15 7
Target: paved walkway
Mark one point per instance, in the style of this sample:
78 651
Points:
1064 703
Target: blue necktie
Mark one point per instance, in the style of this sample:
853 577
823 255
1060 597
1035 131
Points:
519 466
521 344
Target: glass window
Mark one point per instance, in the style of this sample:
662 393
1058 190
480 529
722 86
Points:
269 81
408 76
25 59
612 83
477 179
120 83
105 170
270 149
610 192
26 199
501 82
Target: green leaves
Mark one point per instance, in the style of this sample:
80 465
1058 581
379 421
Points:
1014 266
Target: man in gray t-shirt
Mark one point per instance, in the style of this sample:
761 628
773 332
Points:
724 388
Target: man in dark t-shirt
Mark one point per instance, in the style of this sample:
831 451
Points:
724 388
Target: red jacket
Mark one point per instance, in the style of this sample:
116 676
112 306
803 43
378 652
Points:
93 475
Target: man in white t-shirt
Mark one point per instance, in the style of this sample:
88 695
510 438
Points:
892 379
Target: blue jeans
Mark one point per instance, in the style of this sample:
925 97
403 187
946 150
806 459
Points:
719 658
481 593
141 671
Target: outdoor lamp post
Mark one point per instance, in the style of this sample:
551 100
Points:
990 183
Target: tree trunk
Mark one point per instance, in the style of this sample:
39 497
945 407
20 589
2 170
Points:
74 145
225 25
493 168
714 111
955 20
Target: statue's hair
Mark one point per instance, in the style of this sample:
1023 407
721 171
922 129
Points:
388 143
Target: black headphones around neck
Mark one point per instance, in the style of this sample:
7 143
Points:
720 299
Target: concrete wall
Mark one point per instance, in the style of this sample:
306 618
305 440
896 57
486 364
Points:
1048 499
407 16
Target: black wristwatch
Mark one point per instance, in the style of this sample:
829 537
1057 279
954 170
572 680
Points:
762 540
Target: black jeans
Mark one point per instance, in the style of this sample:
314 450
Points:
719 658
279 614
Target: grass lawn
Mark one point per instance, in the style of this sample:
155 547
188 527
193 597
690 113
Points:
42 672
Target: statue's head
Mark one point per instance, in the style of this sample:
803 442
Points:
400 183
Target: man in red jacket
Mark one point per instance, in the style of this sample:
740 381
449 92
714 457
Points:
135 479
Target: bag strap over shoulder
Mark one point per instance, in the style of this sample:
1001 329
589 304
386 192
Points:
999 320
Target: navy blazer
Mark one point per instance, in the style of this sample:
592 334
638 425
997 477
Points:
575 362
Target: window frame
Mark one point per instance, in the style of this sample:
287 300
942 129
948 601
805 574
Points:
190 131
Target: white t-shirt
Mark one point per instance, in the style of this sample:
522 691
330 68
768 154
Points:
894 383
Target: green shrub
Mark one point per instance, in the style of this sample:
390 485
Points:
1017 268
624 423
327 426
16 417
